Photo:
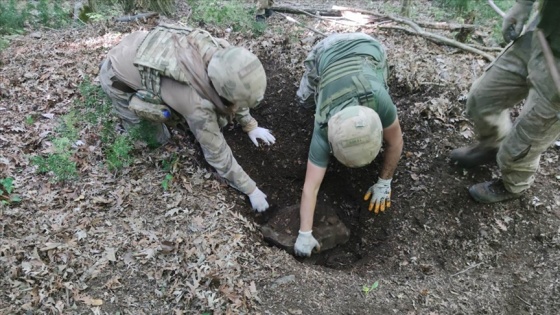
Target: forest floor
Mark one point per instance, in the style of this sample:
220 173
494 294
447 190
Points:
123 243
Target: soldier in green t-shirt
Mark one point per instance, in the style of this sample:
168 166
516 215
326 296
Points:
520 72
346 80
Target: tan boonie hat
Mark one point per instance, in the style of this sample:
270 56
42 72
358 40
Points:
355 135
238 76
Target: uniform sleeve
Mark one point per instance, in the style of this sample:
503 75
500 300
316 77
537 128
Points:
203 123
386 109
244 118
319 150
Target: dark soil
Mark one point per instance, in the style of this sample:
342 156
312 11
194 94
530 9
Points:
433 230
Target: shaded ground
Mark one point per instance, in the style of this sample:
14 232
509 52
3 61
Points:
120 239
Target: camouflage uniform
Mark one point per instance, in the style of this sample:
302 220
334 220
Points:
120 79
520 72
262 5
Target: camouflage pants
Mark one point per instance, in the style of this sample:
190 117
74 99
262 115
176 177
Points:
519 73
262 5
120 101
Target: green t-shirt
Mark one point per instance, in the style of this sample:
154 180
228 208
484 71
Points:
319 150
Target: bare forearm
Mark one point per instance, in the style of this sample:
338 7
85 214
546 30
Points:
391 160
307 209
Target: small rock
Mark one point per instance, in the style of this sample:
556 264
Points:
36 35
283 280
295 311
282 228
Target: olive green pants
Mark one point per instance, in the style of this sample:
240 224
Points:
519 73
120 101
262 5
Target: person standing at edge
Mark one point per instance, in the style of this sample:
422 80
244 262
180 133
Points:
178 71
520 72
346 75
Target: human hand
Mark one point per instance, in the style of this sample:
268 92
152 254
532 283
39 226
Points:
515 19
263 134
258 200
381 195
305 243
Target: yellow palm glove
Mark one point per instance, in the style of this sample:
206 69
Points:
380 194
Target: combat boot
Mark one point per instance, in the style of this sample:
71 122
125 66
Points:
473 156
491 191
261 18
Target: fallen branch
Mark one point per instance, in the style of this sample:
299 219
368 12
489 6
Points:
442 40
495 7
522 300
465 270
417 30
291 19
334 19
486 48
446 26
132 18
339 12
549 57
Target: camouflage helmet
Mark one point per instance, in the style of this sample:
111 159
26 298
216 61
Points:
355 135
238 76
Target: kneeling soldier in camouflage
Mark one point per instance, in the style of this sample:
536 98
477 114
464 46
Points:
346 78
172 71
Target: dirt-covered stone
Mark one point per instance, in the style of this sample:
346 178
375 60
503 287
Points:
282 228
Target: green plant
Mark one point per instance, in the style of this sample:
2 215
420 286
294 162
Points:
29 120
169 166
118 153
6 188
59 162
145 131
14 15
166 181
231 13
68 126
12 19
367 289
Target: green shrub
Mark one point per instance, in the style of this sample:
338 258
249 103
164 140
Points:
14 16
6 189
12 19
118 153
221 13
480 7
59 163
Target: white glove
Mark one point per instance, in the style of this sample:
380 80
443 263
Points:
263 134
515 19
258 200
305 244
381 192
